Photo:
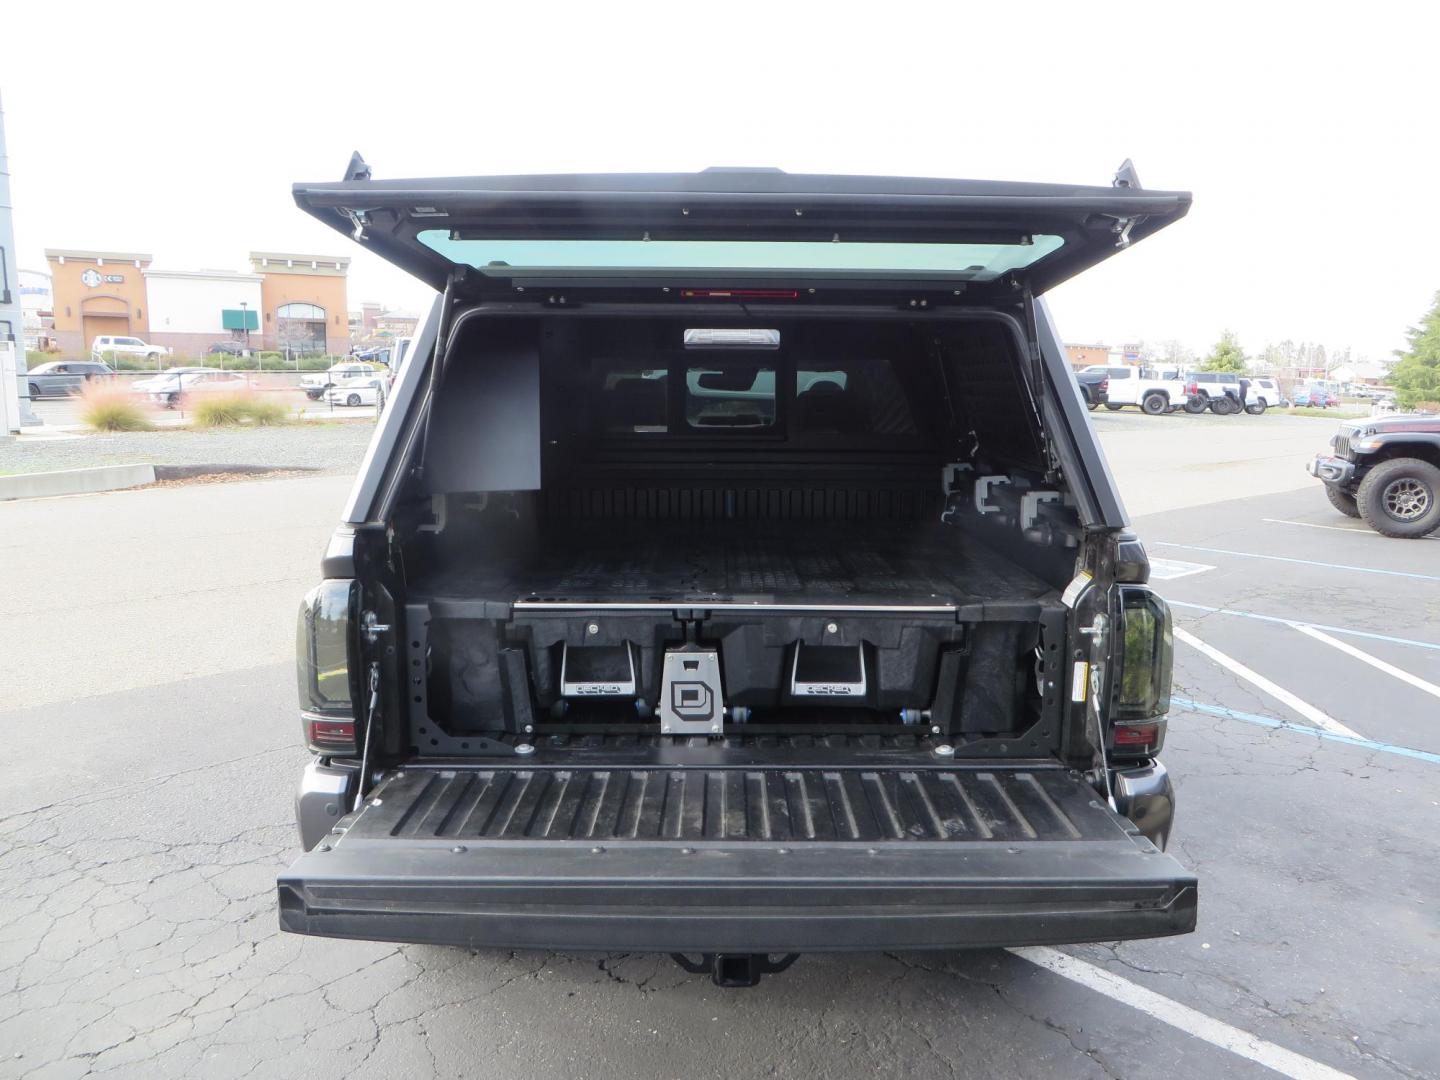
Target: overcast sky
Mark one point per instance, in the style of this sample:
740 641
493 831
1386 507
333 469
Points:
1307 140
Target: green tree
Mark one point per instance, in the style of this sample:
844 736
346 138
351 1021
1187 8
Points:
1226 355
1416 375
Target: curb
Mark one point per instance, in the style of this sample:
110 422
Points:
75 481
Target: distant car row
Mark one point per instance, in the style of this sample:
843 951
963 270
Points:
350 383
168 387
61 377
344 384
1159 391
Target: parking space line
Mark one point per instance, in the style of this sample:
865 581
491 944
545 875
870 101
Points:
1303 729
1316 716
1374 661
1302 562
1181 1017
1435 645
1362 530
1170 569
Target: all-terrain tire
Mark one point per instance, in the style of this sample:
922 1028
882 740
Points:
1257 409
1401 498
1196 403
1342 501
1223 405
1154 404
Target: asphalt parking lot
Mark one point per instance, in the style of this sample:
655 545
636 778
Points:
145 811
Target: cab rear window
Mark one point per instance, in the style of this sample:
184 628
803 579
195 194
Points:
724 397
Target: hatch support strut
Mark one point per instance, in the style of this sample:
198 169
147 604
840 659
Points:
1037 387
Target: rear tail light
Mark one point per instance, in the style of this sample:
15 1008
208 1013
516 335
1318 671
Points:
322 667
1145 660
327 735
1137 740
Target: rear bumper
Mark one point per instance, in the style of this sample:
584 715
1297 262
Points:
735 899
1331 469
324 796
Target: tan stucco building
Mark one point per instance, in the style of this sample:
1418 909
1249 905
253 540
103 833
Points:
95 293
287 300
304 300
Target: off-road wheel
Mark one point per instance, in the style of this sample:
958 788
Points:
1256 409
1401 498
1196 403
1154 404
1223 405
1342 501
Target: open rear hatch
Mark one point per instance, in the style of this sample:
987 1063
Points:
746 858
727 228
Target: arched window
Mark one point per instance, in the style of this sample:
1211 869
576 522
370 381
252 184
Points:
307 312
300 327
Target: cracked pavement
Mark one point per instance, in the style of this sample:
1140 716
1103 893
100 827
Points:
145 812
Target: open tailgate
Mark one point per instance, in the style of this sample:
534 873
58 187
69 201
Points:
736 860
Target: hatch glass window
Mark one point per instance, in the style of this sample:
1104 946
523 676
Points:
971 262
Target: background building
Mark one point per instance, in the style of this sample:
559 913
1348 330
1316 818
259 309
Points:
393 324
97 292
37 308
1082 356
287 302
304 300
190 310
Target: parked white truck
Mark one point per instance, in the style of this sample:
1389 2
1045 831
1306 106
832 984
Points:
1154 391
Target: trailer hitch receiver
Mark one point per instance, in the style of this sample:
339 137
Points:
735 969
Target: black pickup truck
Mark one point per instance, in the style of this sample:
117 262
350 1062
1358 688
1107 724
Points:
735 574
1095 386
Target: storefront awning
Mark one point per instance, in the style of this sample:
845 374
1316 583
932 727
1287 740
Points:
238 319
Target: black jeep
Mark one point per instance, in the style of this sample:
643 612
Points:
1386 471
736 573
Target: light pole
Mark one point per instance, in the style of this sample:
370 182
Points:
245 331
11 317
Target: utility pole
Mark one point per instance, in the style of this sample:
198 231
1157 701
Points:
11 327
